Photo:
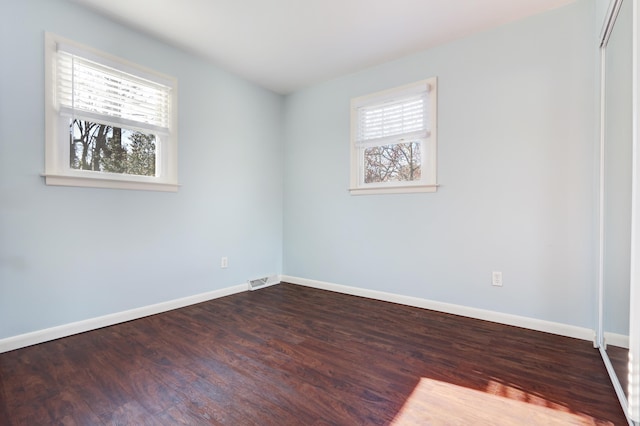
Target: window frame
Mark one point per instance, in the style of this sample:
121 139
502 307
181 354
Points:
428 180
57 168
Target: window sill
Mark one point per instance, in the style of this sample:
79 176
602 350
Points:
394 190
62 180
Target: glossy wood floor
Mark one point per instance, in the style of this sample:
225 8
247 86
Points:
291 355
619 358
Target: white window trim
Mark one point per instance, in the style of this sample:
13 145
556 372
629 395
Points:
57 169
429 181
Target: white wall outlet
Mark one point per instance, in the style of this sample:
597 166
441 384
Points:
496 278
224 262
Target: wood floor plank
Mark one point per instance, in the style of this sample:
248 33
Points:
292 355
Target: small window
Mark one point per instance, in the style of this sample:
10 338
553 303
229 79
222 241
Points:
393 140
109 123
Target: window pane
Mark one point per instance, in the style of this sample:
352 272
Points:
393 163
104 148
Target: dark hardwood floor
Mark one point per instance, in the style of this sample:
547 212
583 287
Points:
291 355
619 358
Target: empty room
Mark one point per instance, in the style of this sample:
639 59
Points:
334 213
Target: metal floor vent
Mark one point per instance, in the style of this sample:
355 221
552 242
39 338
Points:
263 282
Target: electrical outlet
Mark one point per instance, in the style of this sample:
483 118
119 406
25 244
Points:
496 278
224 262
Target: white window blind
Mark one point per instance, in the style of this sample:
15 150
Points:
100 92
391 121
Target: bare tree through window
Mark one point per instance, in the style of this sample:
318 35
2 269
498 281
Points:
104 148
399 162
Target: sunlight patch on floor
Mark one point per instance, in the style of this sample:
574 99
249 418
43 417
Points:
439 403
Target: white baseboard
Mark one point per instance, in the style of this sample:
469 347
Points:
41 336
615 339
482 314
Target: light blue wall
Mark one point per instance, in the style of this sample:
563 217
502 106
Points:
618 172
517 124
602 7
68 254
516 155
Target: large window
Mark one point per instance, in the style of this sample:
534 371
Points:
109 123
393 140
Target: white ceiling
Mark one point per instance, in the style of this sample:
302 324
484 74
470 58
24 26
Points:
285 45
